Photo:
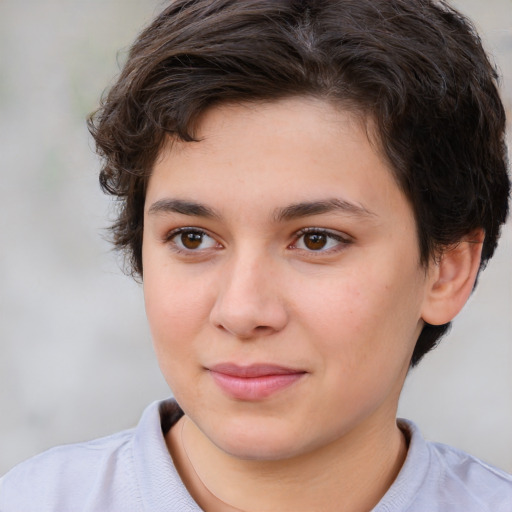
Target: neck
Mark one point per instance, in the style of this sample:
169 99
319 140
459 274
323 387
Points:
353 472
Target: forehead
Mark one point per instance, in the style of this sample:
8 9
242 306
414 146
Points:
273 154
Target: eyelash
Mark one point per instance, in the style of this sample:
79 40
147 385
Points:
169 238
341 241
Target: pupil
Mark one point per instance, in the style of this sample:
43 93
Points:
315 241
191 240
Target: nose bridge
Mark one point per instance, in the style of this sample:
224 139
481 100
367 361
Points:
249 301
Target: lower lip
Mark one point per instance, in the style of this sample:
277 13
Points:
254 388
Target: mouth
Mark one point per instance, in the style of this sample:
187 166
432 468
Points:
254 382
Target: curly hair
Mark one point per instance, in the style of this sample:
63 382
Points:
416 68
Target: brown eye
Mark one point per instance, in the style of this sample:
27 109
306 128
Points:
192 239
315 241
321 240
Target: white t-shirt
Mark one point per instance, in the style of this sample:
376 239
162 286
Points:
132 471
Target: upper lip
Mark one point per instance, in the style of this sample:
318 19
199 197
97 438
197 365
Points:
253 370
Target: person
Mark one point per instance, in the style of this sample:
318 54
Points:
308 191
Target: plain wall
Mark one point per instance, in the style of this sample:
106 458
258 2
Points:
76 360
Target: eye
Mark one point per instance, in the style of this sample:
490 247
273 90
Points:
319 240
191 239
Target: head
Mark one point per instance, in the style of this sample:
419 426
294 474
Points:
413 72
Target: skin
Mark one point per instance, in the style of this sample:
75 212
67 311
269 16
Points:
344 307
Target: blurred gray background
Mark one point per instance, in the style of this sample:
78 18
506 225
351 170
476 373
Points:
76 360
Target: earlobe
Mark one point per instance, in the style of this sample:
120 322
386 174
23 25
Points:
451 279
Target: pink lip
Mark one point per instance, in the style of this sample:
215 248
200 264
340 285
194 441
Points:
253 382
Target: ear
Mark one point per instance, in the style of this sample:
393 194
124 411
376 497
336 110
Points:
452 278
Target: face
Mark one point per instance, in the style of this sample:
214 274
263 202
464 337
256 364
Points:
281 277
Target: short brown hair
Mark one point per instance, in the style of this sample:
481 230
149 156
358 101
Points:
415 67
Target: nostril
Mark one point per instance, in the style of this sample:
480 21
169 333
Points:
245 333
262 328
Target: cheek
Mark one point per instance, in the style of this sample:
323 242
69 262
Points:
176 312
175 299
340 305
363 316
172 322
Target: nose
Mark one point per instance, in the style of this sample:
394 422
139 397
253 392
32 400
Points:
249 303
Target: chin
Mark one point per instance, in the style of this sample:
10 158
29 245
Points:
259 450
257 442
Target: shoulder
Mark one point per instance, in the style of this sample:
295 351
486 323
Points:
130 471
463 474
437 478
64 476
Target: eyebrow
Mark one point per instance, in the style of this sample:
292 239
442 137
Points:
183 207
304 209
290 212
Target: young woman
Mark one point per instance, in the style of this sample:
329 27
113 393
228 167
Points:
308 190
